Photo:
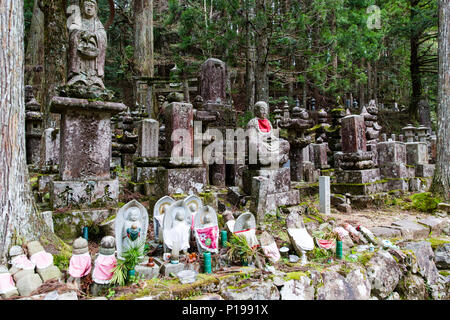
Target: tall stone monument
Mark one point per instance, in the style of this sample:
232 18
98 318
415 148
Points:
86 109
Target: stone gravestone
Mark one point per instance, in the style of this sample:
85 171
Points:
131 226
213 81
33 127
206 230
269 247
245 226
177 229
159 211
299 236
86 109
324 194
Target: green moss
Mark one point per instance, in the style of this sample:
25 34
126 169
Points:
424 202
365 257
445 273
295 275
435 242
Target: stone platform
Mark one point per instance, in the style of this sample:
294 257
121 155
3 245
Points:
180 181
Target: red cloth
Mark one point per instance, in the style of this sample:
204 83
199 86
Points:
264 125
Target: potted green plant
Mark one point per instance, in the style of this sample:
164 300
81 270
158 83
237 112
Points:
125 269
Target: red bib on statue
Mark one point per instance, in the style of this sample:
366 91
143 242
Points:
264 125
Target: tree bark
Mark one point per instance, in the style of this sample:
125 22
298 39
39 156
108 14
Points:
250 57
19 218
441 180
56 40
414 67
262 47
34 57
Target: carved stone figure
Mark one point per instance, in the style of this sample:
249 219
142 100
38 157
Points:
299 236
193 204
7 286
158 216
269 147
131 226
206 230
80 263
269 247
246 226
177 225
87 46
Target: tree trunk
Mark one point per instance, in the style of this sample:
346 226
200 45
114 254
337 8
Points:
250 58
56 40
441 180
414 67
34 57
19 219
262 47
143 51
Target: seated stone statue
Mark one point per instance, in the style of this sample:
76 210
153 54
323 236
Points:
177 227
263 142
80 263
87 47
206 230
245 226
158 216
131 226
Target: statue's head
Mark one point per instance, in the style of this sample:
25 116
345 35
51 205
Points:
261 110
207 219
134 214
179 216
90 8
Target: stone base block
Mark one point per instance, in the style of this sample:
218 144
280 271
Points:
145 188
416 153
167 268
396 184
49 273
84 194
69 225
27 284
279 180
288 198
411 230
385 232
144 174
419 184
358 188
395 170
146 272
180 181
9 294
434 224
425 170
44 182
358 176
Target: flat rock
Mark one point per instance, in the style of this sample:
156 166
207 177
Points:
211 296
383 273
385 232
412 287
335 287
301 289
49 273
444 207
435 224
357 279
147 272
252 291
411 230
425 260
442 256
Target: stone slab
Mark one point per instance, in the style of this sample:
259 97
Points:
416 153
148 141
324 195
279 179
425 170
84 194
396 184
180 181
147 272
144 174
435 224
288 198
357 189
385 232
358 176
411 230
394 170
49 273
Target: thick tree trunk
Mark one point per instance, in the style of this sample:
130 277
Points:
19 219
34 57
414 67
250 58
262 47
441 180
56 40
143 50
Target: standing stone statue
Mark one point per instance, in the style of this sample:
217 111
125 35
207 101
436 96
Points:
299 236
104 264
206 230
158 216
131 226
177 226
43 261
80 263
269 247
7 287
245 226
193 204
22 269
87 46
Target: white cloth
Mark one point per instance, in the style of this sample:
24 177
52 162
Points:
178 234
302 238
271 251
250 235
42 259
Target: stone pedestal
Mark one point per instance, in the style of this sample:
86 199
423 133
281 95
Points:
358 176
85 153
50 147
425 170
324 194
279 179
318 155
180 181
416 153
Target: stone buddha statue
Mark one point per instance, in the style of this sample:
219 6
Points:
263 139
131 228
87 47
80 263
176 235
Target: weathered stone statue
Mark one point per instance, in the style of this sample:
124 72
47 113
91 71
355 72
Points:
7 287
43 261
245 226
80 263
131 226
177 225
158 216
206 230
193 204
299 236
87 47
104 264
270 148
22 269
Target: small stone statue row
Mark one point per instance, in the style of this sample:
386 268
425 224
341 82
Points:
23 268
176 221
81 263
